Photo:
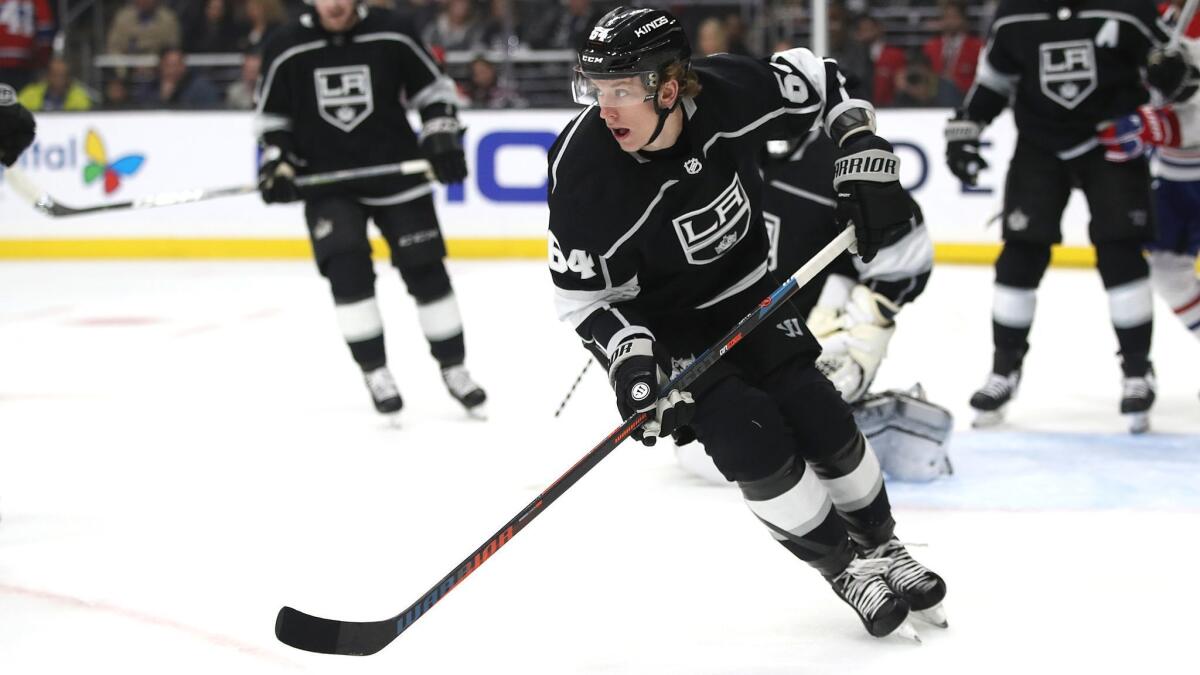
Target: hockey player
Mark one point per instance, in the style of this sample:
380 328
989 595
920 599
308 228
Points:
1173 132
657 247
1067 66
331 98
16 126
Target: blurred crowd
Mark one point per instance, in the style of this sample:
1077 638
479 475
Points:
932 64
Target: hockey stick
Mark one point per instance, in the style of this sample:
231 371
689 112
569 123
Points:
572 389
42 201
329 636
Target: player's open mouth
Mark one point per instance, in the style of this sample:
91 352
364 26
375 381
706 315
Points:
619 133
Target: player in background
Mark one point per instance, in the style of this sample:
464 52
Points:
1066 67
17 127
333 95
657 248
852 310
1172 132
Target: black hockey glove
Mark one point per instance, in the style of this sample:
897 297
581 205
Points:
16 126
441 142
636 377
962 150
277 177
1168 70
869 196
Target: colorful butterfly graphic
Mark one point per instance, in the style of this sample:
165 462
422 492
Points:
98 164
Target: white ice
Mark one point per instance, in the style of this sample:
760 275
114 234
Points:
187 447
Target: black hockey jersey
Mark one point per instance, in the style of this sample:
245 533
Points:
337 100
798 208
1066 67
638 242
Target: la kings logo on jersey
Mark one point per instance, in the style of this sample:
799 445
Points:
707 233
1068 71
344 95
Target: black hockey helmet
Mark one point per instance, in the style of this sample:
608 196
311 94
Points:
630 42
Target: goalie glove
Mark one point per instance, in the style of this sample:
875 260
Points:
855 341
637 381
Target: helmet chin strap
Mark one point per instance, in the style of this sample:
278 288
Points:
663 114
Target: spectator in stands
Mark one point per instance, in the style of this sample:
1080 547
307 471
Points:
57 91
564 26
26 29
240 94
422 12
456 28
263 17
176 86
500 31
735 28
208 26
484 90
116 93
143 27
886 60
712 37
918 86
954 52
853 57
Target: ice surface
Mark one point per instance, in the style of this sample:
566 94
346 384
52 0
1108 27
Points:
185 447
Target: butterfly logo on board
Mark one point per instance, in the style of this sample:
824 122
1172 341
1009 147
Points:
99 166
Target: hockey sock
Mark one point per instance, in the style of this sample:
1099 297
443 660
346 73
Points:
437 311
854 481
1173 276
799 514
1019 270
1126 277
362 327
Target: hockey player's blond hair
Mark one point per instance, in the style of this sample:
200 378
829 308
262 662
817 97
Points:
689 82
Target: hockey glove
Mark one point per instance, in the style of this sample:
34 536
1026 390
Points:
869 196
277 177
854 340
1131 136
1169 71
636 378
441 142
962 150
16 126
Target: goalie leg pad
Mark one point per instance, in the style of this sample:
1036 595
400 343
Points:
908 433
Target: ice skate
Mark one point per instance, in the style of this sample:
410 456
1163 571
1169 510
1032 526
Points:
882 612
383 391
920 587
465 390
993 397
1137 396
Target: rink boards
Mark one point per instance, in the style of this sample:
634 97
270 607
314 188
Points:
88 159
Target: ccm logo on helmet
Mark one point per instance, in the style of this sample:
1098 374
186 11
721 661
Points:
591 59
646 28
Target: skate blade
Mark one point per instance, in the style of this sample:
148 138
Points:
392 420
934 616
478 412
907 631
988 418
1139 423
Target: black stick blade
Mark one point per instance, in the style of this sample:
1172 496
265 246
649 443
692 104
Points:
327 636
